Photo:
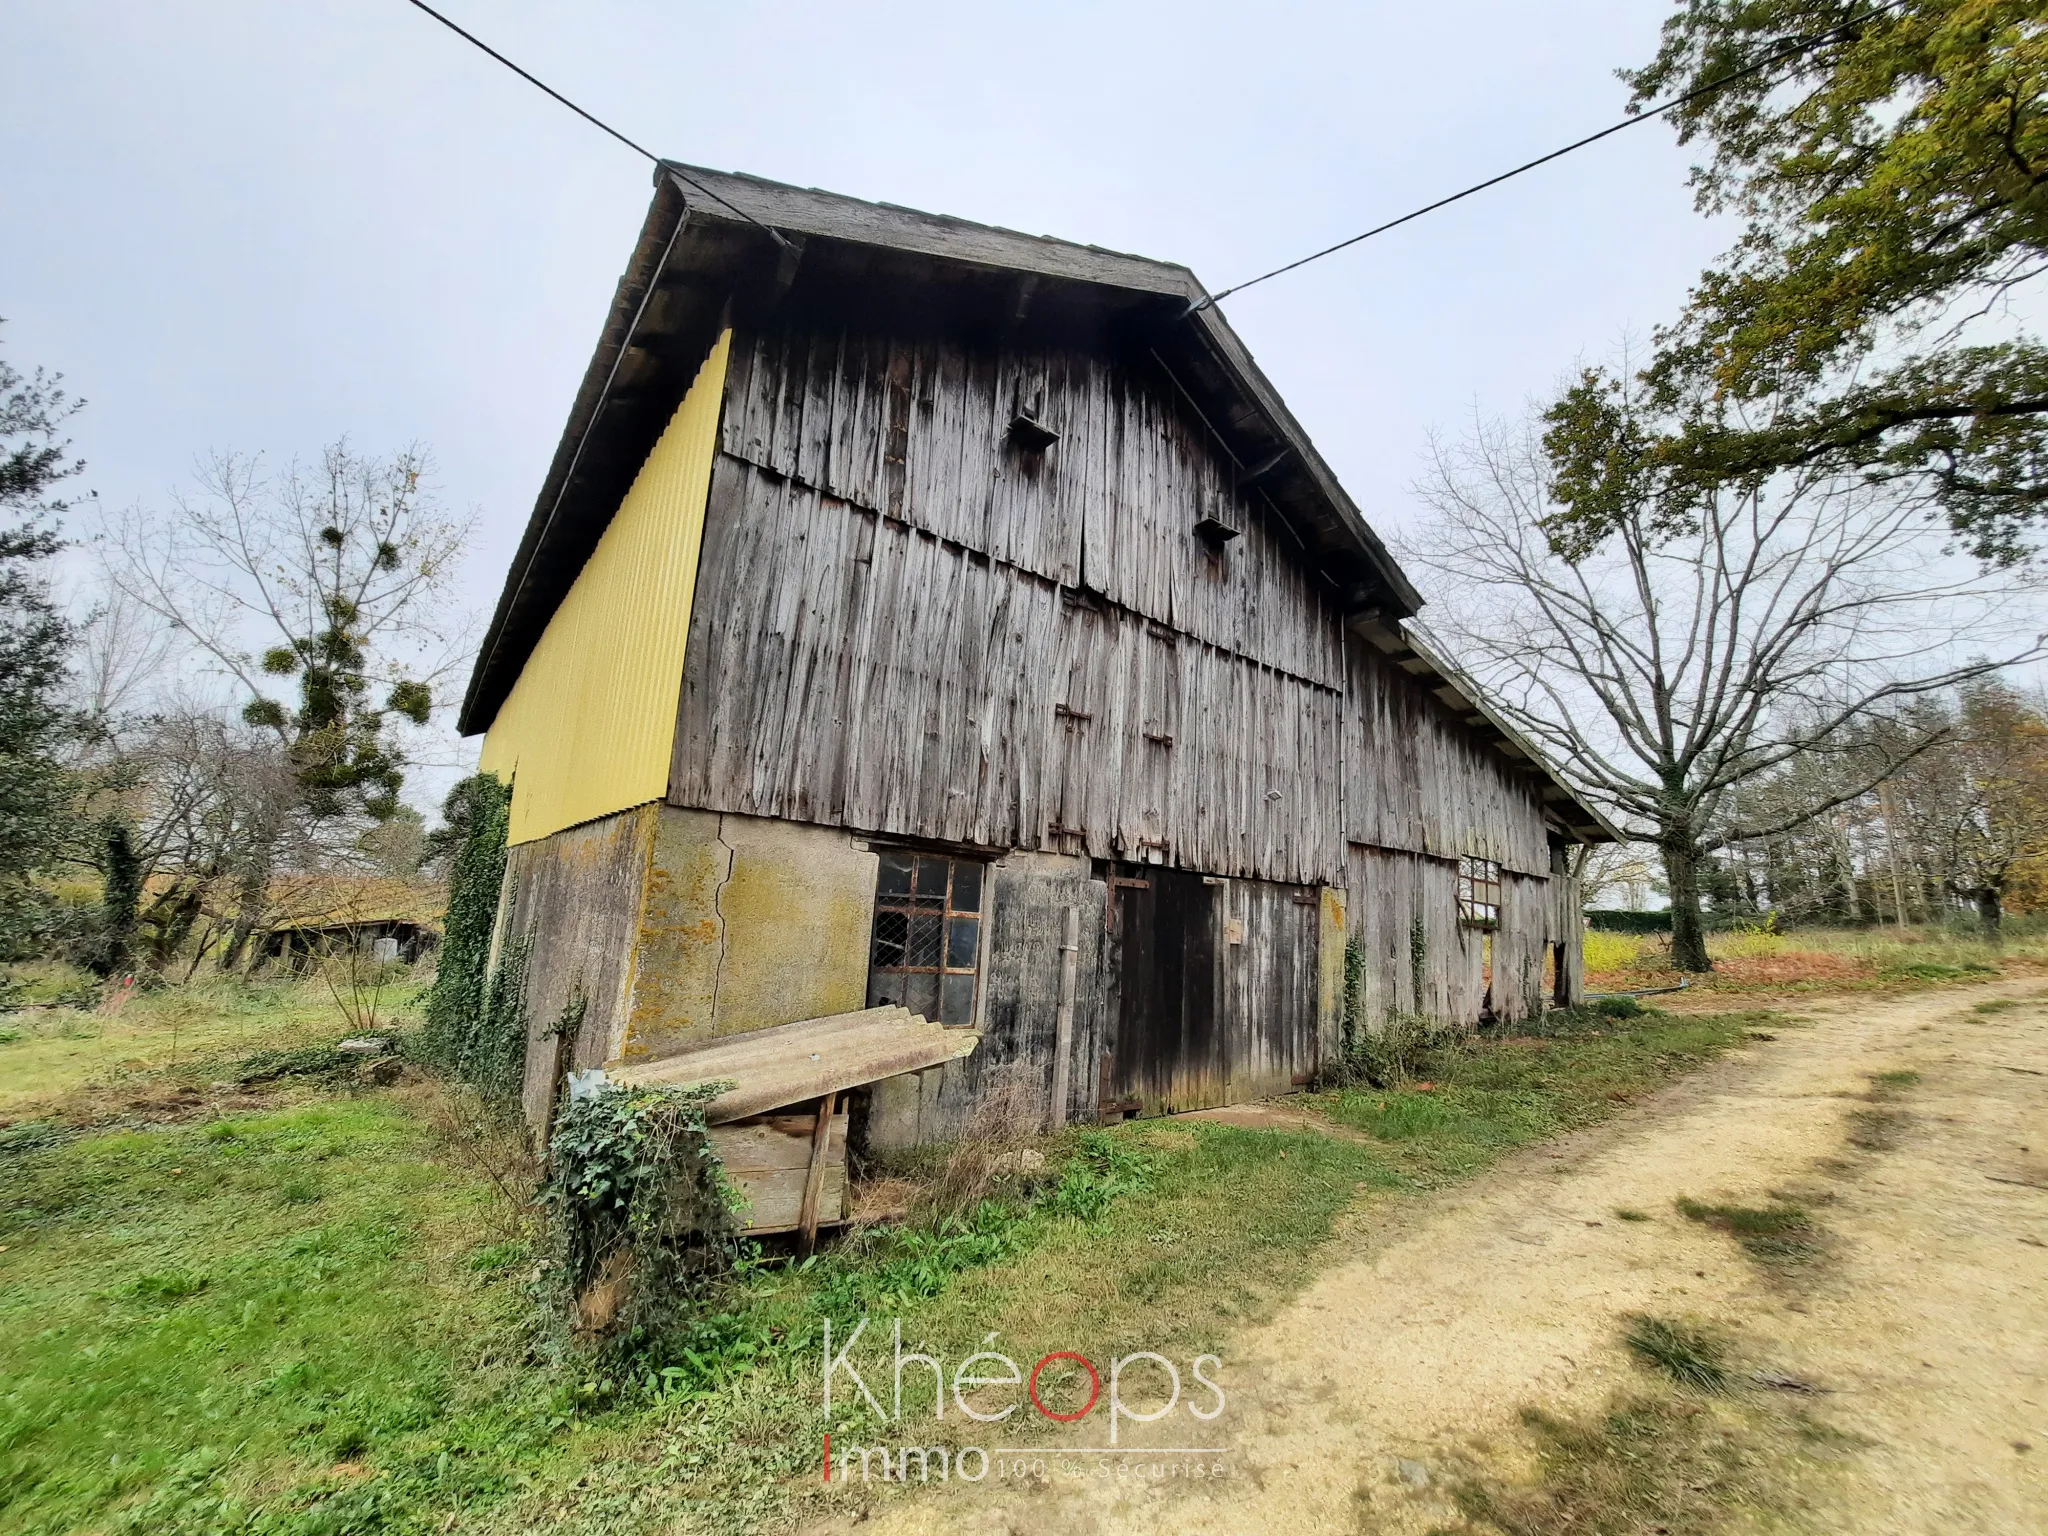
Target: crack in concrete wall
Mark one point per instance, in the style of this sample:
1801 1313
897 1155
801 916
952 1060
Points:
718 913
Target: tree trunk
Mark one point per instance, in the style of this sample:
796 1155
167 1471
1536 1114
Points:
1990 910
252 906
1688 930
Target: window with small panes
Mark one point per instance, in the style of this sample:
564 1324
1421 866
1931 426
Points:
1479 893
927 949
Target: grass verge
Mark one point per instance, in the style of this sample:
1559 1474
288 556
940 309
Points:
312 1319
1486 1102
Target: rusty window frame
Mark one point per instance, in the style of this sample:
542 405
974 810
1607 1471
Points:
1479 892
918 932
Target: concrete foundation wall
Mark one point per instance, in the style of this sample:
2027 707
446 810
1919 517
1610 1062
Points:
748 923
675 927
571 904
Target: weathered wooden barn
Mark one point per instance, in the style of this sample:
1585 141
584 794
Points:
919 612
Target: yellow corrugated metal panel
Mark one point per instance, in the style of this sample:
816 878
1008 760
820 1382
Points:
589 726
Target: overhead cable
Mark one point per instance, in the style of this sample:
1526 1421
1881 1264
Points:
593 119
1785 51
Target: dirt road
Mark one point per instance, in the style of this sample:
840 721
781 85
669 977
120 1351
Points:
1926 1320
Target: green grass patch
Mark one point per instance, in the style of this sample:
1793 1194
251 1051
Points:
1781 1234
1691 1357
185 1035
1493 1098
191 1337
1649 1463
1933 970
311 1320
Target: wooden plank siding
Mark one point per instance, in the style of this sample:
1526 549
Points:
860 672
910 628
917 429
937 640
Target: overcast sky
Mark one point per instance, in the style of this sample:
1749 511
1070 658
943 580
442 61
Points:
260 226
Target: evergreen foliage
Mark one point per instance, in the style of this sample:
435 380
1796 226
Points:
476 1015
120 899
36 791
640 1210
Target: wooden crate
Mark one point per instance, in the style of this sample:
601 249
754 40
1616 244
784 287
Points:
768 1158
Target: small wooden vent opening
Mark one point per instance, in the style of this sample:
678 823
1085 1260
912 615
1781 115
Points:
1215 533
1030 434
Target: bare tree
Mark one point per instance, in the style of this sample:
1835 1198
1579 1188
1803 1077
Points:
1623 874
1982 809
321 595
1666 661
120 653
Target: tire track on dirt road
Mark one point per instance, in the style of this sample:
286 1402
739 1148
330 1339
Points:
1927 1322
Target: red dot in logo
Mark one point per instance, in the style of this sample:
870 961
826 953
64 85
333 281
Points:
1094 1386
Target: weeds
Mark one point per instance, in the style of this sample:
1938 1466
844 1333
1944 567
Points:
988 1158
1103 1170
1687 1355
1646 1464
1876 1130
1590 1017
1780 1234
1880 1128
641 1213
1630 1213
1405 1047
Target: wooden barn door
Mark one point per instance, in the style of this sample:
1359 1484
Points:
1268 979
1166 1051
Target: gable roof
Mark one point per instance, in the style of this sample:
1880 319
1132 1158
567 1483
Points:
717 246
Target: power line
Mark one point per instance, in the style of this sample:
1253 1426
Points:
1789 50
593 119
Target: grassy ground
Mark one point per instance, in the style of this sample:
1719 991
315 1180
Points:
150 1038
311 1315
1484 1102
1749 961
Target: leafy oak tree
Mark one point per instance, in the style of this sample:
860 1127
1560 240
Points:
1893 186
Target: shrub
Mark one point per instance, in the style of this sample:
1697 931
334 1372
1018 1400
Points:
476 1015
1405 1046
1611 951
1616 1007
640 1211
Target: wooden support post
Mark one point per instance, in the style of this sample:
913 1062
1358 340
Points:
814 1178
1063 1023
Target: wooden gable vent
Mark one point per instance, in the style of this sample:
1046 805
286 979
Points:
1031 434
1215 533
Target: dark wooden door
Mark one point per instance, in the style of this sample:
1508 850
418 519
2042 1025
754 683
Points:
1269 973
1166 1053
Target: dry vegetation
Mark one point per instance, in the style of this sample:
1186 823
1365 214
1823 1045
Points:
1755 961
